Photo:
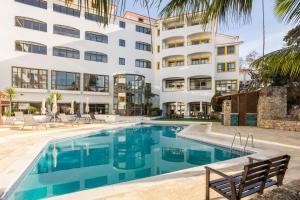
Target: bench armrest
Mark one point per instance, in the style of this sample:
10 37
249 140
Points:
208 169
251 160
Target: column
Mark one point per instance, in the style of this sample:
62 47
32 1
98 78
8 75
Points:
186 110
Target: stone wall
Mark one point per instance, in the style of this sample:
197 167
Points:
272 103
280 124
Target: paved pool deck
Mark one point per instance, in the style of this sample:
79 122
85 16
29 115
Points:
18 148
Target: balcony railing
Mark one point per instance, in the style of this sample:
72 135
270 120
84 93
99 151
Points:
200 88
172 27
174 64
171 46
173 89
194 43
199 62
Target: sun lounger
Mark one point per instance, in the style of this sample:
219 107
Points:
65 120
254 179
19 118
93 119
29 121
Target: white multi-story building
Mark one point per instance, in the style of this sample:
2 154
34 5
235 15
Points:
48 47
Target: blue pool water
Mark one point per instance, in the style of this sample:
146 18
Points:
114 156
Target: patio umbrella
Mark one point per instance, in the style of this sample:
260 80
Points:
72 108
43 108
201 110
87 108
54 106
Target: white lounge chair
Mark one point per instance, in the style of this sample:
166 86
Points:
31 122
19 118
65 120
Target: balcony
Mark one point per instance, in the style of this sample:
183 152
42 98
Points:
173 84
200 83
199 58
173 61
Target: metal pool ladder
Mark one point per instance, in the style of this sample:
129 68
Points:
252 141
236 134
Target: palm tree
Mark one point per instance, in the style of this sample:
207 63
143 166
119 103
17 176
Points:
10 94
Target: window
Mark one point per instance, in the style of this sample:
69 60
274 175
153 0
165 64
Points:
66 31
225 86
141 20
158 48
122 24
99 108
230 49
231 66
200 84
65 80
30 24
97 37
142 29
95 56
96 83
143 46
30 47
177 84
158 65
36 3
29 78
158 32
221 50
122 43
175 63
221 67
143 63
199 61
93 17
121 61
66 10
66 52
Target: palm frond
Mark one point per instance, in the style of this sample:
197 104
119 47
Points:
225 12
285 61
288 10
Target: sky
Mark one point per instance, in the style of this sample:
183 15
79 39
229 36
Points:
250 34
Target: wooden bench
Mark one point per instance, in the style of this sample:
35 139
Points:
254 179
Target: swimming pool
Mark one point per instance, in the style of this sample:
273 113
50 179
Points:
114 156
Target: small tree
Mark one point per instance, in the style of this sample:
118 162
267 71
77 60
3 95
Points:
50 98
10 94
215 104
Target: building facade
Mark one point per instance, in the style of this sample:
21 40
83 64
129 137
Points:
48 47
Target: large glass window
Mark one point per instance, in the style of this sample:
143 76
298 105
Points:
65 80
31 47
143 46
129 91
142 29
93 17
98 108
95 56
66 52
66 31
66 10
200 84
97 37
143 63
175 84
30 23
226 86
96 83
29 78
36 3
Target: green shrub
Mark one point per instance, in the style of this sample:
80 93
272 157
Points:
215 104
